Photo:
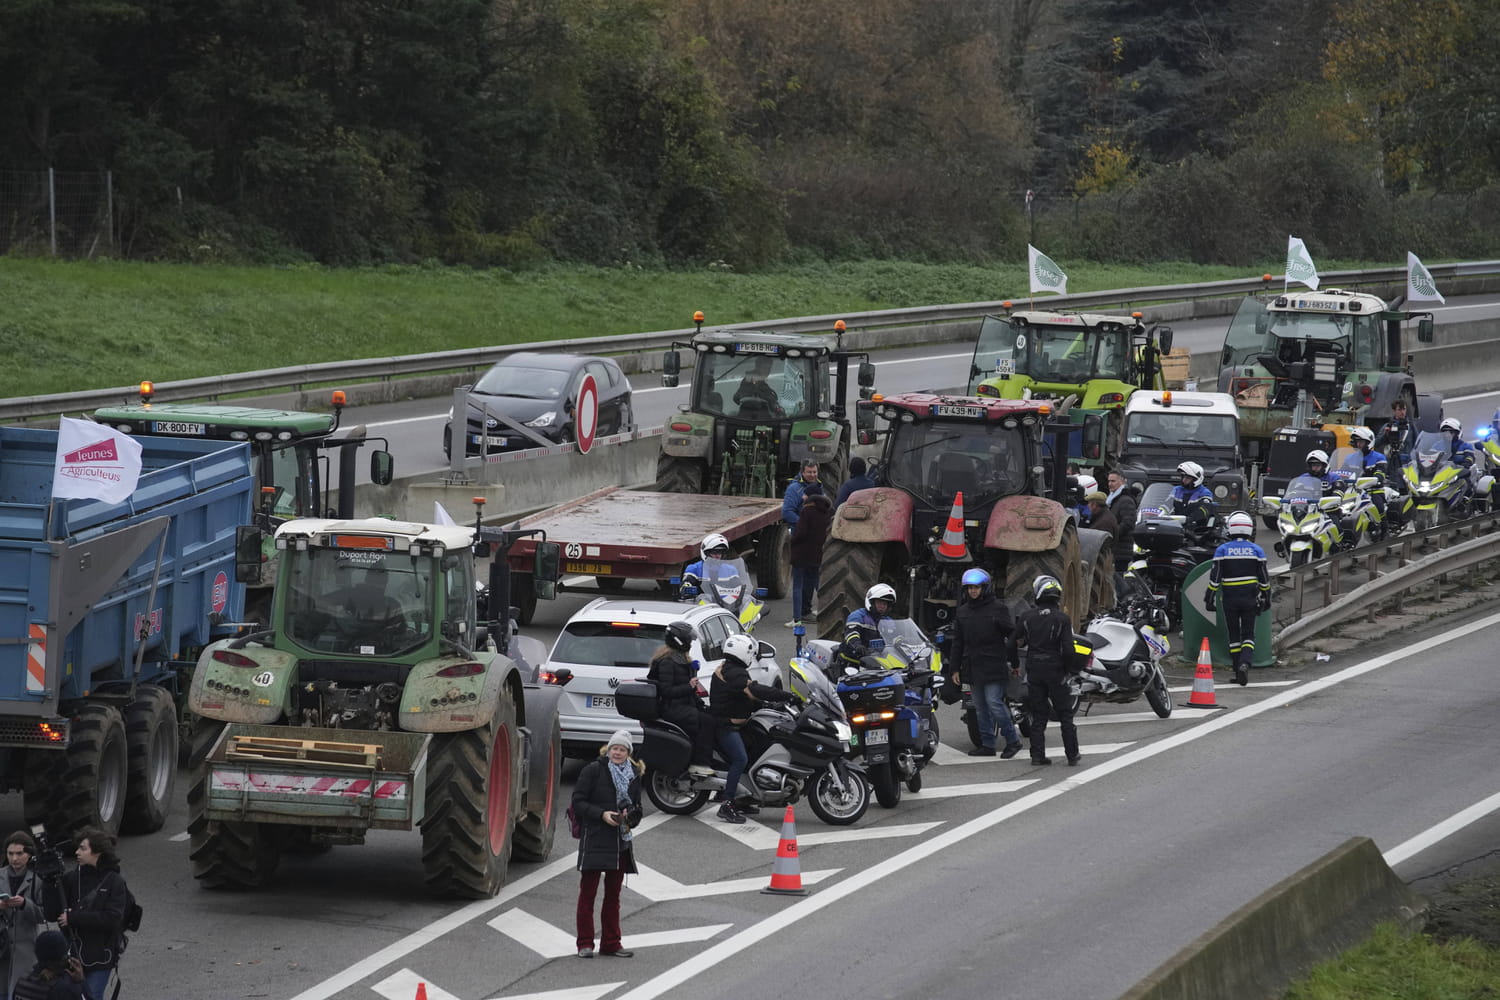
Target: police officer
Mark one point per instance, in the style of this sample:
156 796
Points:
1192 499
1046 633
1239 576
1460 451
680 693
713 550
981 630
1363 440
863 624
1317 467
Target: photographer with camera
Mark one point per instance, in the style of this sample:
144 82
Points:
92 913
607 801
20 911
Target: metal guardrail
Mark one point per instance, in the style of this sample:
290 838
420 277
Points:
300 377
1384 587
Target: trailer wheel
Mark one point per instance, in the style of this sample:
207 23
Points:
523 598
151 745
849 569
537 826
773 561
1021 568
678 475
472 781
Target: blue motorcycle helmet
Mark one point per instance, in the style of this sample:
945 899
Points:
976 578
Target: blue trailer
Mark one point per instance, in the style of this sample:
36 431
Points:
103 608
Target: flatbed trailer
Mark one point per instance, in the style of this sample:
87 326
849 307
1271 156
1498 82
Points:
616 534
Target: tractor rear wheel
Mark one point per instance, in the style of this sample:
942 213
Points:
473 778
849 569
151 745
678 475
773 561
537 826
1097 557
1062 562
224 854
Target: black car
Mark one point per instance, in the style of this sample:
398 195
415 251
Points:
540 391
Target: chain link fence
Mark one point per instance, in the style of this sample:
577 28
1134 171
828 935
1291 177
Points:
59 212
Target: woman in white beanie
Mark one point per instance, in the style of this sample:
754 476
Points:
607 802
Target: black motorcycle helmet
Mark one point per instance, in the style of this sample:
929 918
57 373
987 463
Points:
680 636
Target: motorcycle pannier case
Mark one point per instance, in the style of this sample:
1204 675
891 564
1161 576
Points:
869 690
1159 534
637 700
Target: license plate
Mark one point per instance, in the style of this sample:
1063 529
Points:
493 442
589 569
949 410
877 736
757 348
601 701
177 427
1004 366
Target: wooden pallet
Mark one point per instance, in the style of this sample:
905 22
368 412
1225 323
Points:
271 748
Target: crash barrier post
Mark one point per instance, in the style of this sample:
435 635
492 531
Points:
786 873
1203 680
1326 908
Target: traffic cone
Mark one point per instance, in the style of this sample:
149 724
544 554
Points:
952 546
786 873
1203 680
421 992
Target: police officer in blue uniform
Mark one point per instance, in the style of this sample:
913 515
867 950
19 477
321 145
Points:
1460 451
1239 576
713 549
862 627
1317 467
1191 498
1363 439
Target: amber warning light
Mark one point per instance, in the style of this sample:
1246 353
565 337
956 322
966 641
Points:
148 390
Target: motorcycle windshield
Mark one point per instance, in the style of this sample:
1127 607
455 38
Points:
1346 465
1431 453
726 582
903 636
1156 501
1303 489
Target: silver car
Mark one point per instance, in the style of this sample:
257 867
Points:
610 641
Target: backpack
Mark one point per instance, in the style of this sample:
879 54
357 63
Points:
575 825
31 987
133 912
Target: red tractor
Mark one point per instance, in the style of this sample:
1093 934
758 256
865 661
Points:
1006 457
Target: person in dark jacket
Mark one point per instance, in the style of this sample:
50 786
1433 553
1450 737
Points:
1123 505
680 693
1239 580
981 630
808 536
607 802
21 914
1101 518
94 916
1046 633
732 696
859 479
56 975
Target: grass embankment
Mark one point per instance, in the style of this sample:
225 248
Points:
1392 967
86 325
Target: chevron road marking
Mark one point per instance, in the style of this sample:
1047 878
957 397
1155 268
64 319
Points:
1176 689
760 837
660 888
958 791
550 941
1180 712
402 985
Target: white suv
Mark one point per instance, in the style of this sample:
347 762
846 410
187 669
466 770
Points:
610 641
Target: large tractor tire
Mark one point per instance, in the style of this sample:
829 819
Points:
225 855
536 829
1063 562
849 569
151 750
773 561
679 475
1096 551
85 785
473 778
832 474
522 598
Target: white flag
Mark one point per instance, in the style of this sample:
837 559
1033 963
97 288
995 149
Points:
440 514
95 461
1299 265
1046 276
1419 283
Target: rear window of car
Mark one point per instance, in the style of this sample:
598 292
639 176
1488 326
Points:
609 644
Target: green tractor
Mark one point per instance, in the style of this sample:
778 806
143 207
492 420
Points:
1098 359
762 404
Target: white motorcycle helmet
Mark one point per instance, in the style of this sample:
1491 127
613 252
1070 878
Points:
1363 435
714 545
1192 470
1239 525
1452 424
1318 455
880 592
741 647
1087 483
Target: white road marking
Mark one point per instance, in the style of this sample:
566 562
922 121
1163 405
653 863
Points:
1440 831
959 791
1185 688
178 838
938 844
948 755
550 941
760 837
576 993
403 986
659 888
1465 399
1179 712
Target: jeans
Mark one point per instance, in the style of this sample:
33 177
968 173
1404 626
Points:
733 745
990 711
609 917
804 586
97 981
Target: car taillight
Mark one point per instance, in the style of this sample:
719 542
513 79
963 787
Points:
461 670
548 677
234 659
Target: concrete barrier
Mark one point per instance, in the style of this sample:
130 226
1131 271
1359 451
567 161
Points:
1326 908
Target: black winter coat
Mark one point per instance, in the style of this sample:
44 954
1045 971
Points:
981 630
1125 508
673 674
594 794
96 913
1046 633
730 694
811 531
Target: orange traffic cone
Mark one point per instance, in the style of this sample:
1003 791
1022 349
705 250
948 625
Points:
952 546
1203 680
786 873
421 992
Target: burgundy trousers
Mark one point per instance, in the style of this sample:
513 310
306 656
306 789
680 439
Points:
609 919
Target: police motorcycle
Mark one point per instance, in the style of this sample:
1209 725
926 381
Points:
1125 649
794 749
1487 462
723 580
1305 520
1358 517
1437 490
1167 549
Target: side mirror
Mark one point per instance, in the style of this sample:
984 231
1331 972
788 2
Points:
1164 338
866 437
1424 330
248 542
864 419
866 374
1093 436
382 468
545 567
765 650
671 367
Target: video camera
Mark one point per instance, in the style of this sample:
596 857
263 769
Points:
48 861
